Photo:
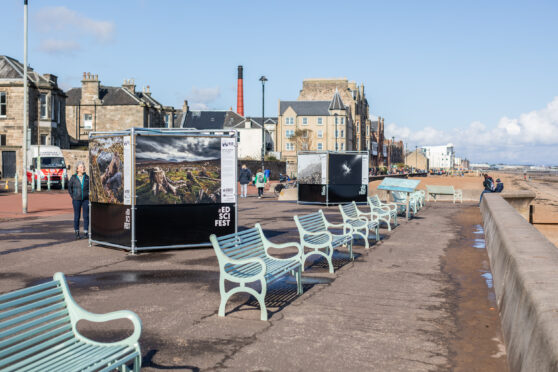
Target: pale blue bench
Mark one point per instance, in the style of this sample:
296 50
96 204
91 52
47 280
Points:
360 222
314 233
387 212
38 333
243 259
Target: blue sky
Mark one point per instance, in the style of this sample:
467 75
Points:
480 74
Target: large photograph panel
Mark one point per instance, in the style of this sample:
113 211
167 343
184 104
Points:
345 169
178 170
309 169
106 158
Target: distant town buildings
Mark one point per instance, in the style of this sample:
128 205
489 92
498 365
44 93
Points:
440 157
46 113
96 107
417 160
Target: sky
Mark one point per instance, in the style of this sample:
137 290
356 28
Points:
479 74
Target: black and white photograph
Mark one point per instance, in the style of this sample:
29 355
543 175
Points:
345 169
310 169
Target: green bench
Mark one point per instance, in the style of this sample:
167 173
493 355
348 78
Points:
402 192
405 202
435 190
243 259
387 212
360 222
314 234
38 333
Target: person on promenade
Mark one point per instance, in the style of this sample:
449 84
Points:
499 186
78 187
488 186
260 181
244 178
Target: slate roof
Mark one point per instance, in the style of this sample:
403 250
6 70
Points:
267 120
336 102
12 69
112 96
211 119
374 126
306 108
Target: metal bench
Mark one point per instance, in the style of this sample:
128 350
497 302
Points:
405 202
38 333
361 222
386 212
401 190
243 258
435 190
314 234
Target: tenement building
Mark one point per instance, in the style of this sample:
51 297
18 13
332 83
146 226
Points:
46 113
96 107
313 125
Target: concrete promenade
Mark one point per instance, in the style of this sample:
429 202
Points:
395 308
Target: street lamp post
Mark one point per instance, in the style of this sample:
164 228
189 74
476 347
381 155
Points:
416 158
25 107
263 79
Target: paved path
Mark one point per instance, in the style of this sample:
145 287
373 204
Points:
386 311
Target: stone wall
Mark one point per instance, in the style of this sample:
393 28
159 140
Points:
523 264
71 157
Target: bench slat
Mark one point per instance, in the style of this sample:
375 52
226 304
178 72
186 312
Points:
5 324
120 362
22 327
37 360
21 292
24 345
26 299
31 306
35 331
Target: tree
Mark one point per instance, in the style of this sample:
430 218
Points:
301 139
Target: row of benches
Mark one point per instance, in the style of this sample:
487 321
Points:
243 257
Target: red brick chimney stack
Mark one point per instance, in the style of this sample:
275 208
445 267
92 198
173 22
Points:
240 93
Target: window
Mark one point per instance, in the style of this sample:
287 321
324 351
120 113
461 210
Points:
342 147
289 121
304 121
289 146
320 121
367 144
304 134
43 139
320 146
3 103
336 133
358 127
336 120
336 146
52 103
87 121
342 133
43 102
289 133
320 134
2 140
58 112
342 120
167 119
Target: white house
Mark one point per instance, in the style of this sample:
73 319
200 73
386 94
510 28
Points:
440 157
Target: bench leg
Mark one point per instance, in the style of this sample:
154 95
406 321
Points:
364 236
260 297
299 288
378 233
327 255
350 247
137 364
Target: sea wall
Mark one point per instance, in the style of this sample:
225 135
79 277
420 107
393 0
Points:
524 266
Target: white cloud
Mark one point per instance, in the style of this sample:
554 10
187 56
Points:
532 137
60 18
53 46
200 98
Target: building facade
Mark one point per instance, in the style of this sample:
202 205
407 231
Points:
417 160
440 157
46 113
95 107
312 126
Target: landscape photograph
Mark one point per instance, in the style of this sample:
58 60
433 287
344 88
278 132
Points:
178 170
106 163
309 169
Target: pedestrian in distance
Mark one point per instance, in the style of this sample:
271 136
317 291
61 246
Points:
499 186
244 178
78 187
260 182
488 185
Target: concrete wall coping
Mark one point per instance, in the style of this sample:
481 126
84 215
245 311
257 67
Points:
518 194
525 271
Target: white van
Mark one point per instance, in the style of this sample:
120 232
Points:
52 162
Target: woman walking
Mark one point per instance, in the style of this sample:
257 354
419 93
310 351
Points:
78 187
244 179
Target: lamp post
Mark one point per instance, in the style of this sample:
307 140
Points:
263 79
25 108
392 149
416 158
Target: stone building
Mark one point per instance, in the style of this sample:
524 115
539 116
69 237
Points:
96 107
322 125
417 160
46 113
378 147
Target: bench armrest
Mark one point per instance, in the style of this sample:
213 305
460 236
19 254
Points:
269 244
131 340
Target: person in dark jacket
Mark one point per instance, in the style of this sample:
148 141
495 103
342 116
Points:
499 186
244 178
488 185
78 187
